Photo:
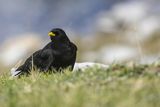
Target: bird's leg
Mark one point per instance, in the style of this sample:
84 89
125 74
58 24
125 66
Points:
47 67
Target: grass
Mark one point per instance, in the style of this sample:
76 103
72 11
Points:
128 85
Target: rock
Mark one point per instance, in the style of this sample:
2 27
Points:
85 65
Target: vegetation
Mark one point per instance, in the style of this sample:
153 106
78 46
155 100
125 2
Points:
128 85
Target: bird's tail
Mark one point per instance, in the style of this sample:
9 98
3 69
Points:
14 72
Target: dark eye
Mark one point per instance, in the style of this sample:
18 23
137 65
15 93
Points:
57 33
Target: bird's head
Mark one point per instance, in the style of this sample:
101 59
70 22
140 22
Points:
58 35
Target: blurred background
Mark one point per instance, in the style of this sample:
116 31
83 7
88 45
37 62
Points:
105 31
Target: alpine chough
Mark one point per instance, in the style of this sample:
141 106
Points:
60 53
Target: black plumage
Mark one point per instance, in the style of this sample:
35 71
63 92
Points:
60 53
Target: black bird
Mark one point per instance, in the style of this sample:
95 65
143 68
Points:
60 53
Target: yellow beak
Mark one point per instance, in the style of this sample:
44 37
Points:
51 34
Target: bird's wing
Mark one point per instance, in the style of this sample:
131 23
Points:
28 64
47 57
41 59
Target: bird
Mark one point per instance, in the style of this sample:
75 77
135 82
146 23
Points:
58 54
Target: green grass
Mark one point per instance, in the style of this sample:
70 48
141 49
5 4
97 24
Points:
127 85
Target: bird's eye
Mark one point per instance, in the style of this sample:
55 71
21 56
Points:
57 33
